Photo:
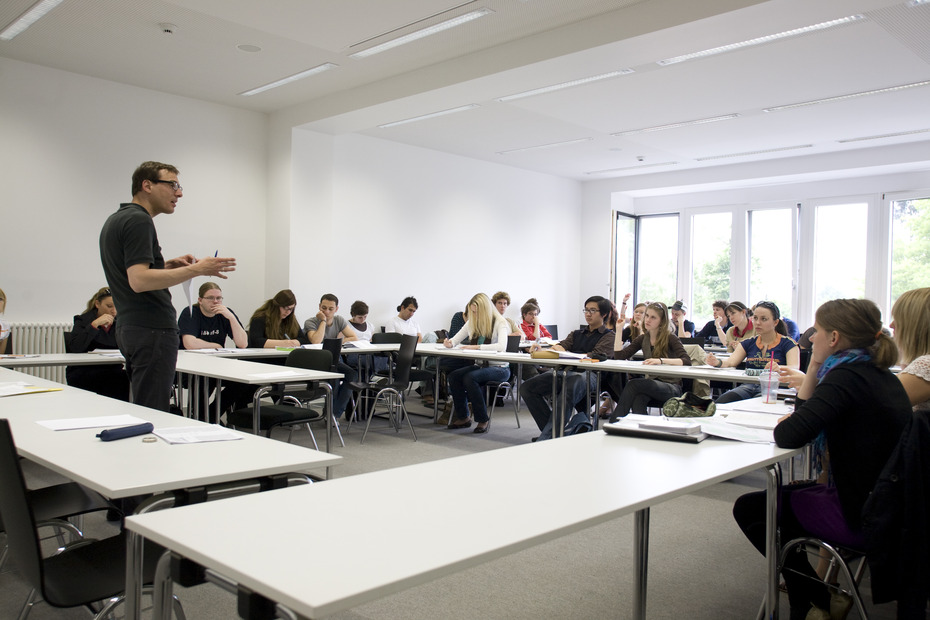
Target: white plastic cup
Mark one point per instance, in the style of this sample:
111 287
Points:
769 382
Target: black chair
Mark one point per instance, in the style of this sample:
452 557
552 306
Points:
391 394
503 389
554 330
83 574
281 414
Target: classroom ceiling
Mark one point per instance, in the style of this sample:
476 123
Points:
523 45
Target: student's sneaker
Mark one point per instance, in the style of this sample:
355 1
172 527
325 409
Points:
817 613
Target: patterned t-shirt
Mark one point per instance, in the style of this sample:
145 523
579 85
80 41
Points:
757 355
920 368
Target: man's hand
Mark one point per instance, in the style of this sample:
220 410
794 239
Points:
212 266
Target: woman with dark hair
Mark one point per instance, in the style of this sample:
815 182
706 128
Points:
403 323
742 327
849 395
273 324
95 328
771 344
659 346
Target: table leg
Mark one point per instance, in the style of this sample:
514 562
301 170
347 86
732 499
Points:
216 404
328 408
771 548
133 601
436 392
162 588
641 555
257 405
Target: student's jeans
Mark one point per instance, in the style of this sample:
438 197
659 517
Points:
151 358
741 392
535 391
638 393
467 386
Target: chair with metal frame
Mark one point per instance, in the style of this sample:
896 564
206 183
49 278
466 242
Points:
503 389
84 573
274 415
553 330
391 394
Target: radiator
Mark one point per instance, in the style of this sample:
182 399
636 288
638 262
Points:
40 338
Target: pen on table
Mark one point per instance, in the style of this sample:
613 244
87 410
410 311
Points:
215 254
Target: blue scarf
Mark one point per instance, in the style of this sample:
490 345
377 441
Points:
847 356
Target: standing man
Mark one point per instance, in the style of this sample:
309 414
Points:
595 340
139 277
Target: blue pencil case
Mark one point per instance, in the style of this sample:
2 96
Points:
112 434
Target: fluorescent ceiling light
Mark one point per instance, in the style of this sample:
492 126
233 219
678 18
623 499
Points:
31 16
569 84
877 91
700 121
462 108
610 170
760 40
885 135
760 152
419 34
917 2
292 78
545 146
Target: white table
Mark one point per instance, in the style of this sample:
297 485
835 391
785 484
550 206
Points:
542 496
61 359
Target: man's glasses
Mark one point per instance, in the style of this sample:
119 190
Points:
213 299
174 184
589 310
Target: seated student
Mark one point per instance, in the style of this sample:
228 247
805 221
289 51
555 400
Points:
273 324
679 325
794 331
635 328
501 301
486 329
4 327
358 321
911 325
95 328
595 341
770 344
659 347
207 325
328 324
531 328
738 315
849 395
403 323
716 329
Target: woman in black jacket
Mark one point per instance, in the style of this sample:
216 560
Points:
95 329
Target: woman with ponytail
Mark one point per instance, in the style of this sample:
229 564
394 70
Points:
850 396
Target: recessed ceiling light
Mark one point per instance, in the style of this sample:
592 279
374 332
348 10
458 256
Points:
425 32
545 146
569 84
917 2
884 135
760 152
462 108
760 40
610 170
33 14
700 121
291 78
877 91
248 48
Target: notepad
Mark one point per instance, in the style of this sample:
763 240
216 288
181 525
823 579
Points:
196 434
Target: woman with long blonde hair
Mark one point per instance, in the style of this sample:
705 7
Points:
486 329
911 325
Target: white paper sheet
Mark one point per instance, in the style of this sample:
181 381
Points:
16 388
196 434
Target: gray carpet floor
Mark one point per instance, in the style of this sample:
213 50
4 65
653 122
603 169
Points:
700 566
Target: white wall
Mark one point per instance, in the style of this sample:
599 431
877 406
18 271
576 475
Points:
70 146
380 221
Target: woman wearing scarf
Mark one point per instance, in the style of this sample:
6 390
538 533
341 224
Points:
850 396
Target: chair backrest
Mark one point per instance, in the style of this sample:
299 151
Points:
513 343
386 338
16 515
310 359
408 349
66 336
553 329
334 346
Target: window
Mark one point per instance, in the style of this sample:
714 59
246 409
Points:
910 245
657 259
840 236
710 260
625 257
770 271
